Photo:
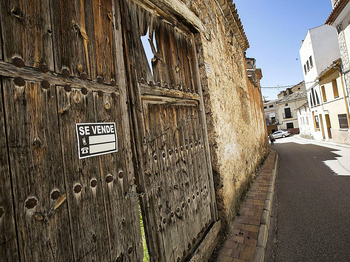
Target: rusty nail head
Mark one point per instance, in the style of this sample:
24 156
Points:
170 152
205 187
83 76
121 174
164 155
181 148
166 85
189 200
44 68
31 203
193 196
155 157
109 178
197 193
172 214
67 88
93 183
36 143
123 221
18 62
150 83
177 209
100 93
45 84
84 91
77 188
66 72
100 79
114 96
159 84
142 80
55 194
183 205
186 146
19 81
164 220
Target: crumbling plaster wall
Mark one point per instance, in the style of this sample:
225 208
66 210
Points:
234 109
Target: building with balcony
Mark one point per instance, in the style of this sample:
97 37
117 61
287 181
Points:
281 113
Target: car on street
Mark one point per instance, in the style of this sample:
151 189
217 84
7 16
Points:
281 133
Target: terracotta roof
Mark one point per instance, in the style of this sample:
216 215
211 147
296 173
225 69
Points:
336 11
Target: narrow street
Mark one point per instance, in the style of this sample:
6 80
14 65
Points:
311 215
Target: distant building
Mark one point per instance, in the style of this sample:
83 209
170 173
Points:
305 121
281 113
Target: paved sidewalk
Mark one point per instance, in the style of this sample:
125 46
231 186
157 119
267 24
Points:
248 237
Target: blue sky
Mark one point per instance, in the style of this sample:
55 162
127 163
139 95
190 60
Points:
275 29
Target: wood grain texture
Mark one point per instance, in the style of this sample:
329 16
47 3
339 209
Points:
121 210
85 201
26 30
8 237
36 170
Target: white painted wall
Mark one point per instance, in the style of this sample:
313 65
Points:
322 44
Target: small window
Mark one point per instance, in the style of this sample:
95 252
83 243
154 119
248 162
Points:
311 63
316 122
305 70
311 102
270 106
290 125
265 107
343 121
287 104
335 88
308 65
323 94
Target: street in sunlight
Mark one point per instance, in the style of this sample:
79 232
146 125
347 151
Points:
311 209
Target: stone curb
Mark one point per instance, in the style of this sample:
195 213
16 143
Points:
265 220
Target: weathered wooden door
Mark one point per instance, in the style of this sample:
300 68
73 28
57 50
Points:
174 168
62 64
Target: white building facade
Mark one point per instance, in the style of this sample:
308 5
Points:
340 19
319 49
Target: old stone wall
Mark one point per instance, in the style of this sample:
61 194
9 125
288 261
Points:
234 109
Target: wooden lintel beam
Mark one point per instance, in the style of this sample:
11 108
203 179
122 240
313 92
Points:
33 74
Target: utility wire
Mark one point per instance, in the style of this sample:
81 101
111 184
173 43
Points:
312 82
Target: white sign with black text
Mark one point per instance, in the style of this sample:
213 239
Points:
96 139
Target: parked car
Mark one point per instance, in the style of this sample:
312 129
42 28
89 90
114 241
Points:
280 133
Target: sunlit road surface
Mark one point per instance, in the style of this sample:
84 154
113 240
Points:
340 165
311 215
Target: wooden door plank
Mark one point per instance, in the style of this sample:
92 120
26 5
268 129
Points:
121 206
70 40
85 197
36 168
27 34
8 238
101 39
